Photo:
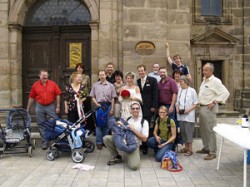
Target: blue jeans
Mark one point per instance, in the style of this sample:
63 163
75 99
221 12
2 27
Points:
102 131
159 152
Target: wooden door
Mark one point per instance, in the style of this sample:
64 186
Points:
217 67
49 48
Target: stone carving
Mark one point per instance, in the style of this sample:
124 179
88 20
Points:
145 48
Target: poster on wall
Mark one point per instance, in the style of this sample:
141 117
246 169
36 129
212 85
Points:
75 51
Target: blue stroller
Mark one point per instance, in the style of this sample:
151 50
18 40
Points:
68 137
17 130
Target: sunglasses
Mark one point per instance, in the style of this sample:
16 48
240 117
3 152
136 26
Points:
135 108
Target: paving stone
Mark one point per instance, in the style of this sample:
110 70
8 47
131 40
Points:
23 171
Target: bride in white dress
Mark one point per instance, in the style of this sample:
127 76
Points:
135 95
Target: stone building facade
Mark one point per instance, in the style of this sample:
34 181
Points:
133 32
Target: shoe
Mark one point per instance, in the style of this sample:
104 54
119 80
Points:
203 151
99 146
210 157
45 146
183 150
144 151
116 160
188 153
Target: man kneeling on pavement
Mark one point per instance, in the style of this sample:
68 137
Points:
141 133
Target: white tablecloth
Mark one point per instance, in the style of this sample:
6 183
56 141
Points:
239 136
234 133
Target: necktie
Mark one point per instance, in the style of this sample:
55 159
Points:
142 83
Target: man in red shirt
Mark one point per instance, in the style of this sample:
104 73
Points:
44 92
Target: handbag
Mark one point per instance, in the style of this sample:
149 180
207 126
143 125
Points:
169 162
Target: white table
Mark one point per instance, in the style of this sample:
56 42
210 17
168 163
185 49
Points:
237 135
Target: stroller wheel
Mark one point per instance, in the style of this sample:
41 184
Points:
34 144
50 155
30 151
55 152
88 146
77 155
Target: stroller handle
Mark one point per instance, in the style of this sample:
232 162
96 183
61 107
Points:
86 116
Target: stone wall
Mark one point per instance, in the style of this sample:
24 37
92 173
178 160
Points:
121 24
159 22
235 22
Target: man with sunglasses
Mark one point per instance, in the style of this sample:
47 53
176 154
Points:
141 133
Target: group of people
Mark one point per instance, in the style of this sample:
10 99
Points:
154 94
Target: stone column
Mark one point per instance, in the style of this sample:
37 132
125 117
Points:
94 50
5 66
15 60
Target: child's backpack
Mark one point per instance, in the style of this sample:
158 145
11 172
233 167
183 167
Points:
169 162
178 139
123 137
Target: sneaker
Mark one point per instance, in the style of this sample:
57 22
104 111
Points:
203 151
210 157
44 145
116 160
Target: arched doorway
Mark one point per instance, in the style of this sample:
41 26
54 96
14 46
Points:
56 36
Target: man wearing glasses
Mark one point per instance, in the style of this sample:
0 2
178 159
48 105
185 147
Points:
141 133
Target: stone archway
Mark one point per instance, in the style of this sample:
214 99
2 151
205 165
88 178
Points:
20 7
15 22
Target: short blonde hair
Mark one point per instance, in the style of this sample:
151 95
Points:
73 75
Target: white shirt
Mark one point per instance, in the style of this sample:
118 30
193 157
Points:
186 98
155 75
143 80
212 89
138 126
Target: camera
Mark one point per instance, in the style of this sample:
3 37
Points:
182 111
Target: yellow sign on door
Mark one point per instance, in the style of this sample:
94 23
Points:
75 54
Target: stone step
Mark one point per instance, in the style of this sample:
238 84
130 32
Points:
226 113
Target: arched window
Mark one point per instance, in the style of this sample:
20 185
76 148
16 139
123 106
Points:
57 12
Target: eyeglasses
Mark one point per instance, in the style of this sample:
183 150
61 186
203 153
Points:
135 108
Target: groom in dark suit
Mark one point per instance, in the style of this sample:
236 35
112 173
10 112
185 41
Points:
149 91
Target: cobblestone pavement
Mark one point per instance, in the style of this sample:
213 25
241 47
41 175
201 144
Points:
21 170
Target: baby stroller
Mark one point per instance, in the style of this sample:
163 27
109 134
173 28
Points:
17 129
68 137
